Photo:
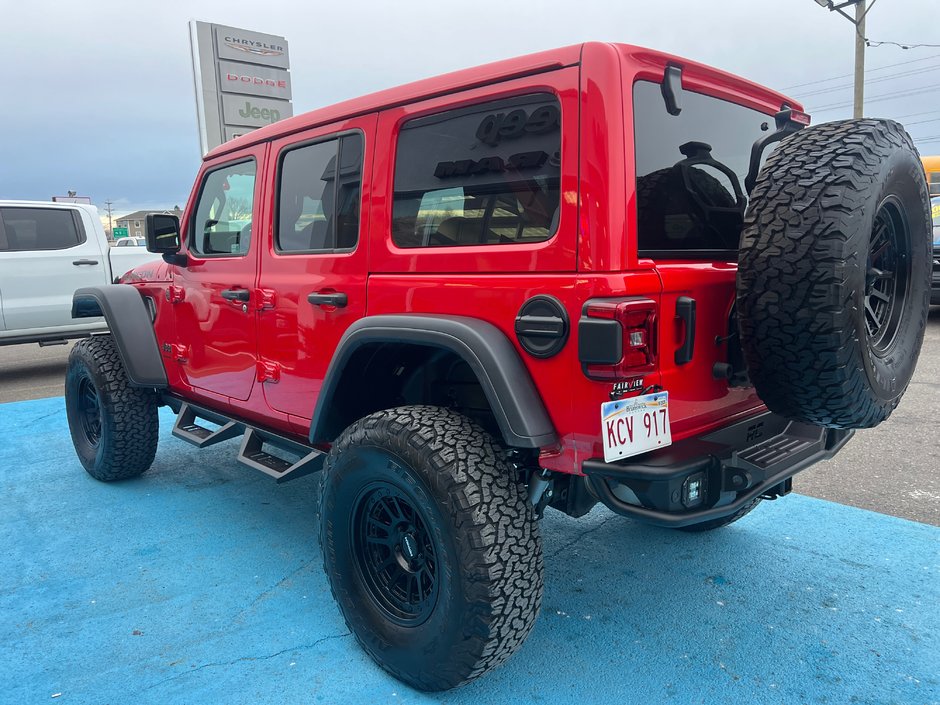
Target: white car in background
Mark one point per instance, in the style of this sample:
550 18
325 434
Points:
130 242
47 251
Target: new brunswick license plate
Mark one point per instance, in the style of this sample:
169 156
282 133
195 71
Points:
634 426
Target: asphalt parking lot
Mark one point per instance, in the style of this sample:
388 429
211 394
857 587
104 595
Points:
893 469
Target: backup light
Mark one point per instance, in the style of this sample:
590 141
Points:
693 490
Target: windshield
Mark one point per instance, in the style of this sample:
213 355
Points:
690 171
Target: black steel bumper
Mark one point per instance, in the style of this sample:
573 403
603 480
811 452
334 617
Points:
712 476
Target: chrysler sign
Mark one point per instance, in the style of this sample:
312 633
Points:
242 81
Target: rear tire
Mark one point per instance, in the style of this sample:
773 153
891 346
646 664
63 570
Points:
834 273
114 426
431 550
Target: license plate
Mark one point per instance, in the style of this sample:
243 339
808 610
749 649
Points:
634 426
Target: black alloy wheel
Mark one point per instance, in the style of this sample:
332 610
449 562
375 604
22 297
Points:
888 275
89 408
395 554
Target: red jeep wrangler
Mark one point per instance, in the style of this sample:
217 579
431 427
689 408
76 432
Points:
595 274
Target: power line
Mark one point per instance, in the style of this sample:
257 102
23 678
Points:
879 98
869 42
848 75
879 79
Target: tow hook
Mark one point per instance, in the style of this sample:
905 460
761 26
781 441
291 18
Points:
540 490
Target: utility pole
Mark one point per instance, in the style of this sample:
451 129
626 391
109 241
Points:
859 21
108 203
859 59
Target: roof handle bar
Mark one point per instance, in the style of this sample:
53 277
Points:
671 88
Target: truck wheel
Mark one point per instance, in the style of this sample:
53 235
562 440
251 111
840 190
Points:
431 550
834 273
114 426
724 521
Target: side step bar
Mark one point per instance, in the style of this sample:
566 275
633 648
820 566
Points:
188 430
253 454
252 451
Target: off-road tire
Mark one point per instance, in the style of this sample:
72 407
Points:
723 521
127 421
482 532
807 269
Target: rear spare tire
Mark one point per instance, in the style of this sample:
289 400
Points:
834 273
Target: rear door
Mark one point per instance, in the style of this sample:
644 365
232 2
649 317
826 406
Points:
46 253
314 268
690 172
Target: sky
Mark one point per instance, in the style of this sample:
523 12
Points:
97 97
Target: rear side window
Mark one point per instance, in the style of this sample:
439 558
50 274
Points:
485 175
25 229
319 196
690 171
222 224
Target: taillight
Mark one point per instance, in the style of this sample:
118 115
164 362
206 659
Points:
617 338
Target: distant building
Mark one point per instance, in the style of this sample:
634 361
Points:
134 222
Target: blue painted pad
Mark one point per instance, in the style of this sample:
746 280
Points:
201 583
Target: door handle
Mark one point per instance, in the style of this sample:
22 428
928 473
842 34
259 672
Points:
685 311
336 298
82 262
242 295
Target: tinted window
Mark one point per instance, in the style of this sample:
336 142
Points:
318 205
485 175
934 181
688 167
39 229
222 224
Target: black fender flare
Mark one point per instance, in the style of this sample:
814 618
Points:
129 321
516 404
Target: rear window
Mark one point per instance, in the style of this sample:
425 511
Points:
24 229
690 172
489 174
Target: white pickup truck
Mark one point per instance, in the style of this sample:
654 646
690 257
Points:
47 251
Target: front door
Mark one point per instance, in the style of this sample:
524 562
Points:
314 271
215 311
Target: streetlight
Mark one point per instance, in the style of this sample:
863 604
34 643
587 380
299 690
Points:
859 22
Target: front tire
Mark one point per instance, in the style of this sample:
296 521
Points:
114 426
431 550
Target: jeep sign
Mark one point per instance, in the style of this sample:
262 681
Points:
242 81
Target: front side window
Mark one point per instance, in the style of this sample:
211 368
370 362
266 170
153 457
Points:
489 174
24 229
222 223
319 196
690 170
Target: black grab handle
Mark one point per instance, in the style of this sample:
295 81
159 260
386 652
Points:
336 298
685 310
236 295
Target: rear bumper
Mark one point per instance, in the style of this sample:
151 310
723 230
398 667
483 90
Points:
712 476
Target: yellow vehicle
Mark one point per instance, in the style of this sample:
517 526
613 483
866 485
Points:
932 167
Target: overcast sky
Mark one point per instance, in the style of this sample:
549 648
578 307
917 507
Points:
97 96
